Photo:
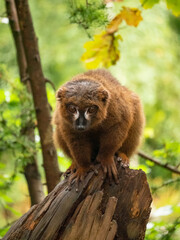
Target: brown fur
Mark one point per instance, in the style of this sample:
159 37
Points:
116 128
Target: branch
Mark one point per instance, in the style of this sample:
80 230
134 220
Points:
31 171
164 165
177 165
170 181
51 83
15 29
37 83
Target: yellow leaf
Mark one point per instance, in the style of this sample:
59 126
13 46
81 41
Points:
114 24
102 51
132 16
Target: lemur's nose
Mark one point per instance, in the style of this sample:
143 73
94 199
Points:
80 127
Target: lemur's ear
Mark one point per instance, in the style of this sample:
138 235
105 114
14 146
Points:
103 95
60 93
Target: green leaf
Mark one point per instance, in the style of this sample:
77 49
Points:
174 5
4 230
64 162
173 146
142 167
148 132
148 3
176 209
6 198
2 96
149 163
2 165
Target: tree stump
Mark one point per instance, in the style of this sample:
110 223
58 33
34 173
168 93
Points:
98 211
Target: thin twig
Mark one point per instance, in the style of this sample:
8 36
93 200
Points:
164 165
170 181
177 165
51 83
8 225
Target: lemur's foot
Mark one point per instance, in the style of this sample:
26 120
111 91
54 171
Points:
109 169
123 159
79 176
70 170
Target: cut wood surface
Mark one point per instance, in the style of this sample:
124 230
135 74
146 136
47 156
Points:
97 211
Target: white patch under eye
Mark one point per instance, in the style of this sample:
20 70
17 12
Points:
76 115
86 115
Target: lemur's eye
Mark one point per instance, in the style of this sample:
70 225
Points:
92 109
72 109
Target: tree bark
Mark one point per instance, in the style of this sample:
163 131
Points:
31 169
41 104
97 211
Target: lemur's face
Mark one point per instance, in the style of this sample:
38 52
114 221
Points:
82 118
83 104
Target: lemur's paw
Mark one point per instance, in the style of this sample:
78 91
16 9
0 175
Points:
70 170
109 169
78 176
123 159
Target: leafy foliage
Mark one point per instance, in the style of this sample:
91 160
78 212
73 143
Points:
162 231
86 14
170 152
16 115
4 230
132 17
173 5
149 3
103 51
16 100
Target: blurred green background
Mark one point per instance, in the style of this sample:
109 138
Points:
149 65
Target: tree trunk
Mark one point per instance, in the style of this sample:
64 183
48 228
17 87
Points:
31 169
97 211
38 88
